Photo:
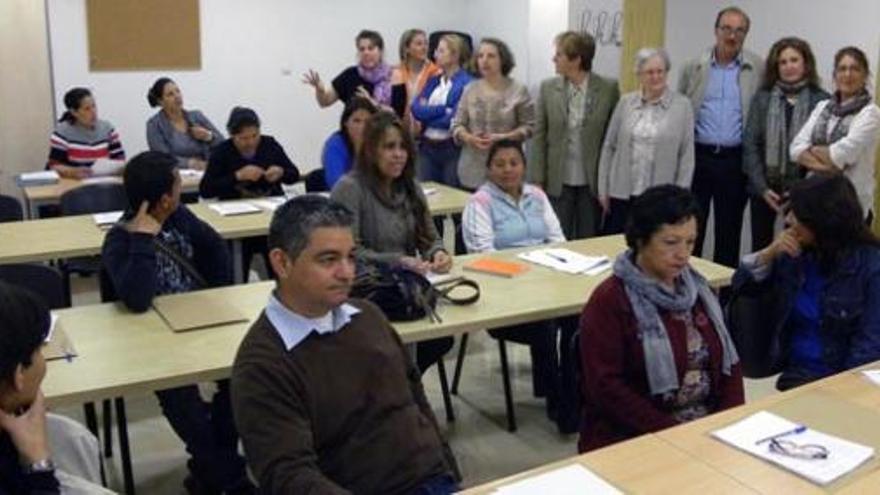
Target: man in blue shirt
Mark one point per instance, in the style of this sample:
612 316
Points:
720 85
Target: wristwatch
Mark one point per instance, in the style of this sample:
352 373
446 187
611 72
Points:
41 466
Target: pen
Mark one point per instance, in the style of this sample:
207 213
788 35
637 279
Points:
557 258
793 431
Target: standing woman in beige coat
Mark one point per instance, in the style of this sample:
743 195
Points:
573 113
492 108
650 141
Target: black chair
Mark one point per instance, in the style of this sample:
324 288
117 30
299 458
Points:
315 181
10 209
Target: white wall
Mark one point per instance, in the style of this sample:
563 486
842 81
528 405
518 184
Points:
253 54
827 26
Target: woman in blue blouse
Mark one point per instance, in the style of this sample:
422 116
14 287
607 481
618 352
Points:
342 146
505 212
434 109
823 273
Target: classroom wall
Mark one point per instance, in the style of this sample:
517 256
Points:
25 95
828 26
253 53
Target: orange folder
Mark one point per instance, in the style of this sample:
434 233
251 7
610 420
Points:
496 267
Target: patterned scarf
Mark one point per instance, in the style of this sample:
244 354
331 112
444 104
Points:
845 112
380 78
779 133
647 296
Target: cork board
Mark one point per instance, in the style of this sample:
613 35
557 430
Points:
143 34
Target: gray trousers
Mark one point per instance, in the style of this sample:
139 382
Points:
578 212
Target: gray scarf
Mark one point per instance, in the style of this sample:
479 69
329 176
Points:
647 296
780 133
845 112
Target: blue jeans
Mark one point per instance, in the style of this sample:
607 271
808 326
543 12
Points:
438 162
438 485
209 433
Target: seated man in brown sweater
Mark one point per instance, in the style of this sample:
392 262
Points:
325 396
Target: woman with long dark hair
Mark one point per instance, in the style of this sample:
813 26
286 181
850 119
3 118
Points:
824 273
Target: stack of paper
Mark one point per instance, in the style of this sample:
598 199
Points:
570 480
234 208
191 173
105 179
106 166
429 190
269 204
567 261
41 178
752 435
873 375
107 219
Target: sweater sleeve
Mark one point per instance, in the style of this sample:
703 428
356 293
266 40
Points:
130 261
609 149
525 113
864 343
433 243
804 138
279 157
862 137
551 221
753 144
537 167
476 224
156 141
686 152
348 193
58 148
268 408
335 160
462 120
605 366
421 110
210 253
216 134
114 146
219 180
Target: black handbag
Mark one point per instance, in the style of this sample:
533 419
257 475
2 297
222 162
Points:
405 295
750 321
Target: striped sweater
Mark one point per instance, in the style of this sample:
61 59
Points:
78 146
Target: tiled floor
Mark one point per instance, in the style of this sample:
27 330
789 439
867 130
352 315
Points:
483 447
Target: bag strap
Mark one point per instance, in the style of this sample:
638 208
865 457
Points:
182 262
444 289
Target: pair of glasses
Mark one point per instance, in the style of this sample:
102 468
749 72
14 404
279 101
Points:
808 452
727 31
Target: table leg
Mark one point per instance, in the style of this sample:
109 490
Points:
124 449
238 273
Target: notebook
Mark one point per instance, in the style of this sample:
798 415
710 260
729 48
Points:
58 345
496 267
194 310
753 433
235 208
41 178
566 260
107 219
570 480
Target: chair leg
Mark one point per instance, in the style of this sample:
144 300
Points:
91 416
124 448
456 376
444 387
107 413
508 394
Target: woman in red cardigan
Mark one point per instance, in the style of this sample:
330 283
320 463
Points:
654 347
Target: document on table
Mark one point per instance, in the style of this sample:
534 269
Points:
566 260
41 178
753 435
57 343
570 480
191 173
873 375
106 166
107 218
234 208
269 204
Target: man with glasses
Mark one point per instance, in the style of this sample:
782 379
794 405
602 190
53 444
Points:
720 84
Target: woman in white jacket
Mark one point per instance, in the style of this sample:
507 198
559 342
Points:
841 134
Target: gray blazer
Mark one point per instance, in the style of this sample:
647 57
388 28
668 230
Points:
695 77
547 163
382 232
162 136
673 153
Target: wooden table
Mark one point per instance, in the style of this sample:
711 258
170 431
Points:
37 196
125 353
847 405
65 237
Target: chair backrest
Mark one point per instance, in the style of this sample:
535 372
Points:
10 209
43 280
94 198
315 181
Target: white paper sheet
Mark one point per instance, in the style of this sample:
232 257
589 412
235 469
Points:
570 480
843 455
105 166
234 208
269 204
191 173
873 375
565 260
41 177
107 218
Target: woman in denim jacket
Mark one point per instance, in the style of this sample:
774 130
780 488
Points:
824 274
